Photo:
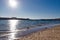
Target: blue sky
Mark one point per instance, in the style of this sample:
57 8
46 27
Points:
36 9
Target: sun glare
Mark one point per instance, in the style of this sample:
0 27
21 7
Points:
13 3
13 24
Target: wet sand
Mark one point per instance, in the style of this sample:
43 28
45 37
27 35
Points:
46 34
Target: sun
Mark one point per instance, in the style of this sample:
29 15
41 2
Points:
12 3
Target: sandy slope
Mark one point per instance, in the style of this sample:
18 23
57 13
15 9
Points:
47 34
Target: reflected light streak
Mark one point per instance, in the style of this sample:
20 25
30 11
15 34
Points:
13 24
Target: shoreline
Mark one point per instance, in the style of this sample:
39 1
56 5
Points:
47 34
36 32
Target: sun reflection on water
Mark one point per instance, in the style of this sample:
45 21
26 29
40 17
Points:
13 24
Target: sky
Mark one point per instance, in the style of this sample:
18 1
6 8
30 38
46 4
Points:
34 9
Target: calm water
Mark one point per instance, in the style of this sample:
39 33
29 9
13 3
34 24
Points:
9 29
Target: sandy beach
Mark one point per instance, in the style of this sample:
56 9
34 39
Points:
46 34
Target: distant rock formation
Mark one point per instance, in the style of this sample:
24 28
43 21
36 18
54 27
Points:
8 18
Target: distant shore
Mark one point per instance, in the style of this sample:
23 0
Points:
15 18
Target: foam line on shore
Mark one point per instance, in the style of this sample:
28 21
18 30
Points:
28 31
36 29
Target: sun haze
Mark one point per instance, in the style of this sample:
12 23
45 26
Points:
12 3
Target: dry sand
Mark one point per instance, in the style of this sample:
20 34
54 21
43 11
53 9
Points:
47 34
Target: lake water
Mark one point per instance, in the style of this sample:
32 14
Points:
10 29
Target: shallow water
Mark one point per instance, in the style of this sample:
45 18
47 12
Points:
12 29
